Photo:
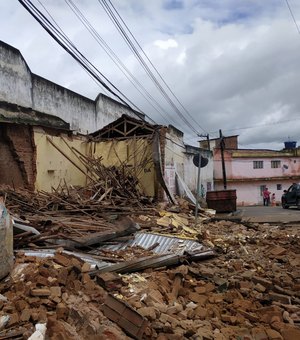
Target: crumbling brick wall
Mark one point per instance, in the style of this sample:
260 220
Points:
18 164
10 173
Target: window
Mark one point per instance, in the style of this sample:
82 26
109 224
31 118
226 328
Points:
258 164
279 187
275 164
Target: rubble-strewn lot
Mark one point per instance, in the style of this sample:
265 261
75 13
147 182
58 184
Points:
249 290
57 291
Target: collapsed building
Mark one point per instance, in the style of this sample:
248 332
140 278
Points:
51 120
85 270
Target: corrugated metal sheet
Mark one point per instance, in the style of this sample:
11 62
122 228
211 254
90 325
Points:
166 244
51 252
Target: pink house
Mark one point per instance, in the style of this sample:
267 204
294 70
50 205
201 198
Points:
249 171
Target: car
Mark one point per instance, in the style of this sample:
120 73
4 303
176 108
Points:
291 196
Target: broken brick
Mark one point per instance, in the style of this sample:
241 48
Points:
25 315
62 259
148 312
291 333
273 335
198 298
62 311
86 267
14 319
277 251
280 298
264 282
110 281
40 292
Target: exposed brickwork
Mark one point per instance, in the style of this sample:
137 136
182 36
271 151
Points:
230 142
9 170
17 140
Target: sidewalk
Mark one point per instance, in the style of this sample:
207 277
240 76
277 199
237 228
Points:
261 214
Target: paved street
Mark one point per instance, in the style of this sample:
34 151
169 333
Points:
269 214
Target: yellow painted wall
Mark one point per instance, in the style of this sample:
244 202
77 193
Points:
135 152
52 167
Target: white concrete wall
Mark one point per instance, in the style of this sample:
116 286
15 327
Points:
15 77
177 158
206 174
108 110
19 86
174 151
51 98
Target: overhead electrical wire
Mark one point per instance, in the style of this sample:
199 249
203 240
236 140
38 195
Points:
62 39
127 39
68 46
110 12
153 66
134 81
58 27
292 14
258 126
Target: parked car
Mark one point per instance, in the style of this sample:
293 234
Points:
291 196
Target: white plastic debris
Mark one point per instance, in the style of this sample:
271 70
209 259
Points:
4 321
40 332
3 298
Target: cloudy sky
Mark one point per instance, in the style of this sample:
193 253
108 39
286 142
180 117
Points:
233 64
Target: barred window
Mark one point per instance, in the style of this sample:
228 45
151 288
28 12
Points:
275 164
258 164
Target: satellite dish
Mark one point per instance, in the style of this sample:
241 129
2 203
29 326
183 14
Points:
203 163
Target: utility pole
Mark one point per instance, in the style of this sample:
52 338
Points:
198 179
222 145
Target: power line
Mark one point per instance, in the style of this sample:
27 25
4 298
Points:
258 126
68 46
113 56
54 30
157 72
58 27
292 14
110 12
58 34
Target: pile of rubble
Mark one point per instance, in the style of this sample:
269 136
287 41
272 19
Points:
81 273
56 292
250 291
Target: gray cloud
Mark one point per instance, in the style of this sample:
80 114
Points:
232 63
